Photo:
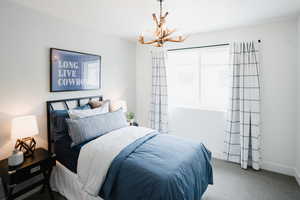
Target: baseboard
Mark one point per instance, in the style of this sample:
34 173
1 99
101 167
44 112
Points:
269 166
297 176
218 156
278 168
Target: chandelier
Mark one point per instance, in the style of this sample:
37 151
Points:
162 34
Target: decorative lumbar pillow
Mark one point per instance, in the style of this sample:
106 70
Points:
88 128
96 104
76 114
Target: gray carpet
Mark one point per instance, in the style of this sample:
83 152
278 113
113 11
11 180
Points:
233 183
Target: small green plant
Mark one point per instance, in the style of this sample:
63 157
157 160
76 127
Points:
130 116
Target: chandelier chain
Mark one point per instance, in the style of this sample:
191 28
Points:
160 8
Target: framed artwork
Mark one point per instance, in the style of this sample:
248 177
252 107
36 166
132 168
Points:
74 71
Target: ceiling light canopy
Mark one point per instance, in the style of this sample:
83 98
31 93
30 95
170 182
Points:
162 34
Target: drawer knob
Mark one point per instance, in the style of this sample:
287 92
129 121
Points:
12 171
35 169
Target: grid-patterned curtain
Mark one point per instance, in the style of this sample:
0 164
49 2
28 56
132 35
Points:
159 102
242 141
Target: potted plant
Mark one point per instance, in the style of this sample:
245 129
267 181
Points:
130 117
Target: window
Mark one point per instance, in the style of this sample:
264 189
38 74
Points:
197 78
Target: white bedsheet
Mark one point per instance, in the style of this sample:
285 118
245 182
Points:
96 156
67 184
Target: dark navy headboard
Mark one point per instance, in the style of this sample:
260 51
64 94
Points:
64 104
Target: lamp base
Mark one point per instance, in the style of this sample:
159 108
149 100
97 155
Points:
26 145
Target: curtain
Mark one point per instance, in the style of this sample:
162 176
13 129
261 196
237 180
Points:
242 132
159 101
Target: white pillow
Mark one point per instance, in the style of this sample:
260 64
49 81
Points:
77 114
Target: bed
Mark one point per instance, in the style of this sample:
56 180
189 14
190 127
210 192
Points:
129 162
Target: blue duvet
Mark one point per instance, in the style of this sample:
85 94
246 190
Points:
159 167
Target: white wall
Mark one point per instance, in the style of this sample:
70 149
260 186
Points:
279 85
25 39
298 132
143 84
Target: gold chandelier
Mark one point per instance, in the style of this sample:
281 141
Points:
162 34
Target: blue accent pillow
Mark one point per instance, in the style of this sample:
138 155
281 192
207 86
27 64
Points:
83 107
59 127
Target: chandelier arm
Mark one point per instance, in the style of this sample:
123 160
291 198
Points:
148 42
166 14
174 40
170 32
157 45
155 19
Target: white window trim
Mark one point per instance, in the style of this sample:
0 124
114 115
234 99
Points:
200 106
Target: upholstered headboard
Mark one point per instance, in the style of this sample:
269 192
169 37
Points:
64 104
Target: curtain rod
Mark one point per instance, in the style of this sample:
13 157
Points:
215 45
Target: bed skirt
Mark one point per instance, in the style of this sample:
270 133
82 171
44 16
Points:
66 183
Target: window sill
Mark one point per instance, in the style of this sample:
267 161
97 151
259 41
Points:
212 109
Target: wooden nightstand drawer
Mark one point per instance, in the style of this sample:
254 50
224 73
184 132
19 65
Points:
19 176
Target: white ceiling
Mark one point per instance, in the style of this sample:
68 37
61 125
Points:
127 18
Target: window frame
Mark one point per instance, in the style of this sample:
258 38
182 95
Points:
200 103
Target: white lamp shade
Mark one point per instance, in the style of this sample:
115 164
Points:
25 126
115 105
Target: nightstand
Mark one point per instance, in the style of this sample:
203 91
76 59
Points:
40 163
134 124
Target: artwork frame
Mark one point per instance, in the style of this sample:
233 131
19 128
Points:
74 71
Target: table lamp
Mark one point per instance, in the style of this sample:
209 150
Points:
23 129
115 105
